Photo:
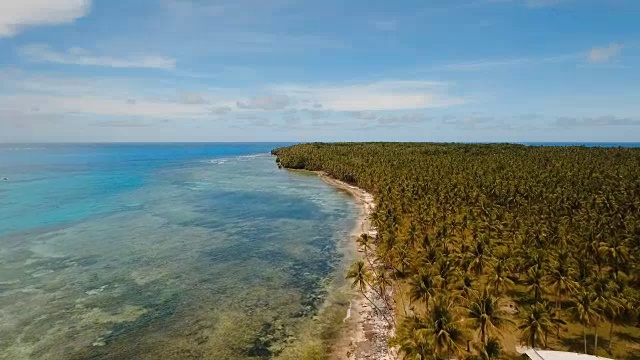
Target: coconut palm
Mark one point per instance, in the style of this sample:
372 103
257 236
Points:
366 242
361 277
479 258
555 317
448 209
486 314
560 281
446 271
382 283
622 293
585 312
534 323
445 332
616 252
411 338
422 287
499 279
611 313
489 351
534 281
465 287
606 303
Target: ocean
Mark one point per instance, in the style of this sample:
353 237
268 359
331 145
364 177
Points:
164 251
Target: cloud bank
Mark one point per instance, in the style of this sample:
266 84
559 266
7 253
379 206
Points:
38 53
18 15
604 53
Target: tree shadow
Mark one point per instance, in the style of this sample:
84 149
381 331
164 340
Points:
566 304
520 298
633 353
626 337
576 343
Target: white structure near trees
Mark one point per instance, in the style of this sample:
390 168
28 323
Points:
534 354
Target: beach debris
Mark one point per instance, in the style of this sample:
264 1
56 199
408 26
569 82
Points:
348 312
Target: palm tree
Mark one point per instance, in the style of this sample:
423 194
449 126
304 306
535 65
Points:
465 287
489 351
534 323
611 313
534 281
445 270
441 208
499 280
623 304
555 318
584 267
486 314
365 242
383 282
616 252
422 287
444 332
605 302
478 258
361 277
585 312
379 281
560 281
410 338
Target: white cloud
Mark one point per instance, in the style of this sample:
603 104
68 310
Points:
604 53
393 119
193 98
17 15
101 106
106 96
486 64
594 55
483 64
221 110
381 95
598 121
78 56
468 121
269 102
139 98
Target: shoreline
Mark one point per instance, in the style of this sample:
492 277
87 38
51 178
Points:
365 332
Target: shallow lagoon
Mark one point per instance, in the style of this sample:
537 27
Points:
211 255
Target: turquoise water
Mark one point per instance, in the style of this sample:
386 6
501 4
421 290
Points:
183 251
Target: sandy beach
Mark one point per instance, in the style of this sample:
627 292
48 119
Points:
365 333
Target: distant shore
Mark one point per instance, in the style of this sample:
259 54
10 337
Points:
365 333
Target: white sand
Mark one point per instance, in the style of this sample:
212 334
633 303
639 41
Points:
366 332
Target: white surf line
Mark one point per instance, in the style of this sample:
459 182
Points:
348 313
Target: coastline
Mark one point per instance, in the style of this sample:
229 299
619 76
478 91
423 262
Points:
365 333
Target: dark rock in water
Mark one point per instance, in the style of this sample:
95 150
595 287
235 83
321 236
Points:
5 179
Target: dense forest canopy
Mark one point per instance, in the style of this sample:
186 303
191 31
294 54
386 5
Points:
486 240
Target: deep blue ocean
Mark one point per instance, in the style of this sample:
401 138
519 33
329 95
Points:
163 251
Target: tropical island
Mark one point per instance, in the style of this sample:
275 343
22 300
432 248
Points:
483 249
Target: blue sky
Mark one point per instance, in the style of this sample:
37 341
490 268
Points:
287 70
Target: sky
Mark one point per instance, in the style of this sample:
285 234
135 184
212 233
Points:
331 70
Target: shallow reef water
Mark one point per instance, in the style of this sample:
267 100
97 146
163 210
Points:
163 252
